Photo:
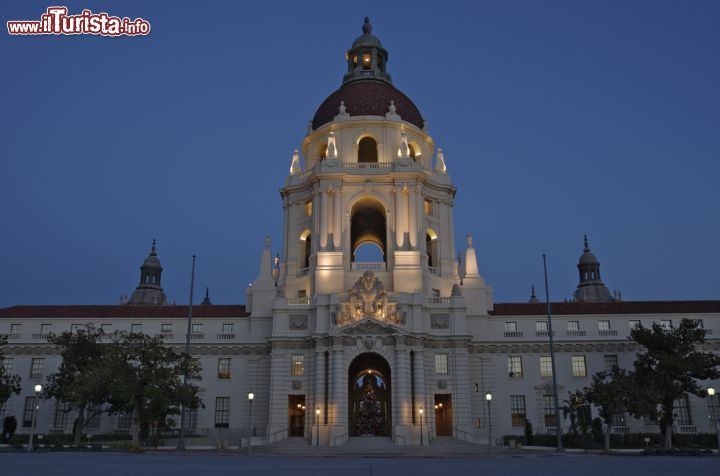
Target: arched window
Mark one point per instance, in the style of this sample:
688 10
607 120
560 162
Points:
431 248
367 150
305 249
368 226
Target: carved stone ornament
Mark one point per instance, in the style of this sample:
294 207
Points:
439 321
442 384
369 343
296 384
367 299
298 321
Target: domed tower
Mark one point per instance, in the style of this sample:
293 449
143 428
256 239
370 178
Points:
591 287
149 290
367 264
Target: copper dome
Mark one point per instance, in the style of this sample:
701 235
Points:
367 98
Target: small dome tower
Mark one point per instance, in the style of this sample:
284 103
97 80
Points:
149 290
591 287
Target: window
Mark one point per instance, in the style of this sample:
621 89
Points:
666 324
436 293
428 207
223 368
36 367
302 293
714 407
441 364
515 366
308 208
30 403
611 361
136 328
619 418
541 326
105 328
578 366
297 365
511 327
93 414
545 366
166 328
603 325
549 410
634 323
44 328
222 412
698 323
517 410
197 328
7 364
227 329
14 328
573 325
190 418
124 421
62 415
681 411
74 328
367 150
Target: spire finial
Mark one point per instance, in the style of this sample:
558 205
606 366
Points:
367 27
469 240
267 241
206 301
152 249
587 247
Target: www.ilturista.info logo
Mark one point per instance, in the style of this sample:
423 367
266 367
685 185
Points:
56 21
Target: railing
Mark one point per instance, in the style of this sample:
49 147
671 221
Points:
467 436
367 165
57 431
576 333
369 265
10 336
197 335
620 430
707 332
226 336
607 333
513 334
551 430
432 270
303 272
343 439
299 301
278 435
543 333
165 336
686 429
40 336
439 300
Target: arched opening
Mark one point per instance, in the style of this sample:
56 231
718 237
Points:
431 248
305 248
370 407
367 150
368 253
367 225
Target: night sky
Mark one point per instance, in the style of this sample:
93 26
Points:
557 119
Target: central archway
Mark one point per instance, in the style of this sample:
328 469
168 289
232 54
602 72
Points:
369 397
368 225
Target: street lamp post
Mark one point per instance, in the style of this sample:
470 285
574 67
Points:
36 407
422 411
251 397
711 393
488 399
317 426
558 429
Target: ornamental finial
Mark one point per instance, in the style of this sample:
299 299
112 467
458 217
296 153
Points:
367 27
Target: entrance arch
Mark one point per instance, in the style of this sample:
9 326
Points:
369 397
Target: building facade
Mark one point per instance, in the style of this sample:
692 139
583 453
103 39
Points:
335 346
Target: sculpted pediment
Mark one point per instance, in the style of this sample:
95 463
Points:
367 299
370 326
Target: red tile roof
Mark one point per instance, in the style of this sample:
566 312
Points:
622 307
121 311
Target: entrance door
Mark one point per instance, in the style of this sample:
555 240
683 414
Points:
296 415
443 414
369 399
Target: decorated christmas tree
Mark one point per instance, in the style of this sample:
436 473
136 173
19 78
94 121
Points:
370 419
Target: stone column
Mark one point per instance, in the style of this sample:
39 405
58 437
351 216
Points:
461 396
412 218
399 217
339 392
337 221
324 196
401 387
420 395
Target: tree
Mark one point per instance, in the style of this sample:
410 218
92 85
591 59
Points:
610 393
668 368
577 409
9 383
80 380
147 381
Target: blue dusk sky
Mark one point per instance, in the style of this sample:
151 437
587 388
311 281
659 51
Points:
557 119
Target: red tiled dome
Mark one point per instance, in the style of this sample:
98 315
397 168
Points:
367 98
